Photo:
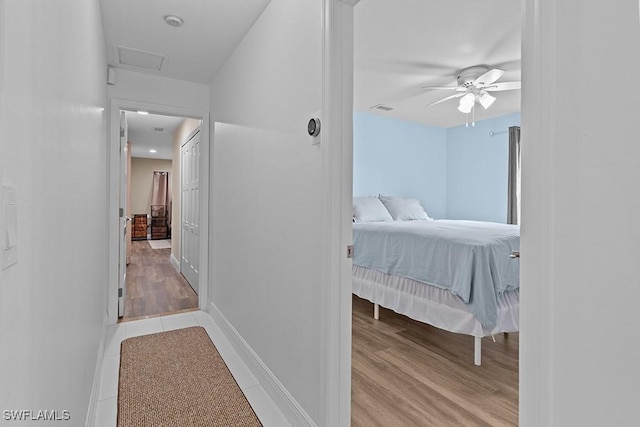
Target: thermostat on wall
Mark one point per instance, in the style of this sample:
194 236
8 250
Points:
314 126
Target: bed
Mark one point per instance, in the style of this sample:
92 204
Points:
454 275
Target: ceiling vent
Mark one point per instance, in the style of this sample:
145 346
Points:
381 107
158 129
140 58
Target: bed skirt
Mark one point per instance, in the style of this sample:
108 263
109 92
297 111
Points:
429 304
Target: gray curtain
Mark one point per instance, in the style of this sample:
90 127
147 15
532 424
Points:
513 213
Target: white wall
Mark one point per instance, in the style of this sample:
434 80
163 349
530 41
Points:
580 345
266 181
53 150
151 89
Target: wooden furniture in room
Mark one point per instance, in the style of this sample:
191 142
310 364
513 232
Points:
159 225
139 231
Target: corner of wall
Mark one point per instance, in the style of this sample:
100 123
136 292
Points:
285 401
97 376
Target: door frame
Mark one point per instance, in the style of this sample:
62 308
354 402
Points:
123 200
115 105
337 172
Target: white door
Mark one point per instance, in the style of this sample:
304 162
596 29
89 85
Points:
190 202
123 219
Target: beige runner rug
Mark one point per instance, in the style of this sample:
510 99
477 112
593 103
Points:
177 378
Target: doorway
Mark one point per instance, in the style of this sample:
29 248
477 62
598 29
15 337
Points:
427 372
154 259
156 284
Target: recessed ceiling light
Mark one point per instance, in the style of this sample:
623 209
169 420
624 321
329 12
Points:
174 21
153 151
144 113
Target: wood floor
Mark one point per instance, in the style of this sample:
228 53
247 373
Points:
154 287
407 373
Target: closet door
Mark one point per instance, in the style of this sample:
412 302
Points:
190 208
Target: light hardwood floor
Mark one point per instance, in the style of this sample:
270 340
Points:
154 287
407 373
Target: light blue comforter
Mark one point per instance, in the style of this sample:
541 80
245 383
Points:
470 258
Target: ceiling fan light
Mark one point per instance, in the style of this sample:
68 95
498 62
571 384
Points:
465 108
466 103
486 100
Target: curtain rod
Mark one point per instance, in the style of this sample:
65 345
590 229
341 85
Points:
492 133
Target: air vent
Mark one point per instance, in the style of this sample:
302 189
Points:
140 58
158 129
381 107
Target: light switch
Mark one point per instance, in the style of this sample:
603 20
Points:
8 226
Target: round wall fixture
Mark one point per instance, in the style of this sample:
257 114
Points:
313 127
174 21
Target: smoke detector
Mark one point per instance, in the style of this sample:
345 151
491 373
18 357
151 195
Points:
174 21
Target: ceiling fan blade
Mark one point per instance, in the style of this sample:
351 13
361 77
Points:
455 95
458 88
489 77
502 86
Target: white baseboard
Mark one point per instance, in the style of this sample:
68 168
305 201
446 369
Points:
287 404
175 262
97 377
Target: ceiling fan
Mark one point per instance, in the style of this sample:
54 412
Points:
474 85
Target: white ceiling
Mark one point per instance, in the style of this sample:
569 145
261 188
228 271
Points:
400 46
143 137
196 50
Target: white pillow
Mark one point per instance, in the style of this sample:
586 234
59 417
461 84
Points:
404 209
369 209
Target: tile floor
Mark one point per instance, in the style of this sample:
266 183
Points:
106 411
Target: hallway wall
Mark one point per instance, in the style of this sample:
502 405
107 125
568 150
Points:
266 207
159 90
53 150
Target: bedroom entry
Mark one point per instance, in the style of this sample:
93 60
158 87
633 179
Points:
424 200
159 201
